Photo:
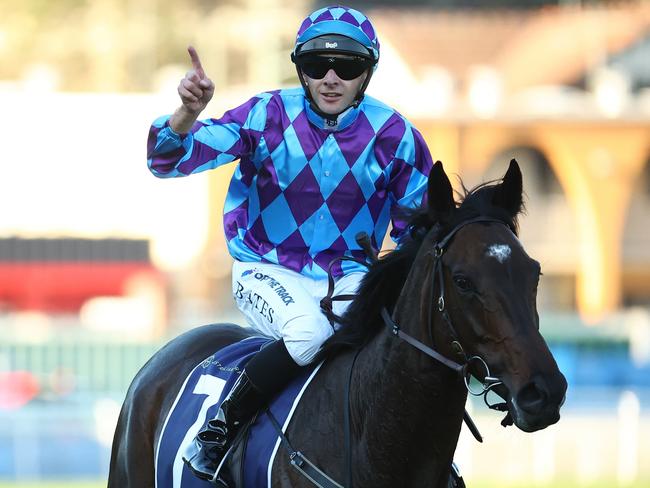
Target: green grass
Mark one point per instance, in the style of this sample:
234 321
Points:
556 484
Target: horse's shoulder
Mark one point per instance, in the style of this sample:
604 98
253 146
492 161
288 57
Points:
328 384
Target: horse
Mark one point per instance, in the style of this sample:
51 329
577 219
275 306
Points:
456 297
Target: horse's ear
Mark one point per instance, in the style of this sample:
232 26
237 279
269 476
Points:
509 193
440 194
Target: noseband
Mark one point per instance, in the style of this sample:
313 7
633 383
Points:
488 382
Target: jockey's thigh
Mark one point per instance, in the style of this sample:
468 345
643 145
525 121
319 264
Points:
307 343
282 304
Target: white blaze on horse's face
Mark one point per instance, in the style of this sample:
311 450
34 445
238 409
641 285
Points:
501 252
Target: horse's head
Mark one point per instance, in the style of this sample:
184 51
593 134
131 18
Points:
489 286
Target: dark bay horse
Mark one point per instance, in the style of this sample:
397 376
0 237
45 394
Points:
462 285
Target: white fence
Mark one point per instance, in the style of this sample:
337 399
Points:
591 443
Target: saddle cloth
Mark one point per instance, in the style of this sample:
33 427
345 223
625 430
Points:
198 401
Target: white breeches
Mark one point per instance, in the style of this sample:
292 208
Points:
283 304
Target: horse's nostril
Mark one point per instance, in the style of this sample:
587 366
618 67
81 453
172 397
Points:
532 398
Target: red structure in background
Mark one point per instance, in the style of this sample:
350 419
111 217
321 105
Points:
17 388
59 275
63 287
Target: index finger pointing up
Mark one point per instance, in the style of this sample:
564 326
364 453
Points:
196 62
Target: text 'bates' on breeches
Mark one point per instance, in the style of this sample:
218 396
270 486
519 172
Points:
283 304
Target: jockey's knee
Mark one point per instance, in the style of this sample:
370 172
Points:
304 336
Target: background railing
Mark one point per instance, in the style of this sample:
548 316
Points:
65 428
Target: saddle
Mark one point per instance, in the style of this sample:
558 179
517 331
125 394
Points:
251 455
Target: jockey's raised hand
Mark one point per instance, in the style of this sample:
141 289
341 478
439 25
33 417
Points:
195 91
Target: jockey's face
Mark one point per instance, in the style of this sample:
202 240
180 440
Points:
331 93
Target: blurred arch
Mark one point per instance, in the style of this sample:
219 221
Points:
548 228
636 242
539 177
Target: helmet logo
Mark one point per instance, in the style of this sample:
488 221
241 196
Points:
331 45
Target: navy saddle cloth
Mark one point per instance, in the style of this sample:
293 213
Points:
198 401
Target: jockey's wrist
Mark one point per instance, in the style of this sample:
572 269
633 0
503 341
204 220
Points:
183 119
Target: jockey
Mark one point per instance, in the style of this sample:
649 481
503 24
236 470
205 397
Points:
317 165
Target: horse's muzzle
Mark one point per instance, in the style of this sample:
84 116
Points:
537 404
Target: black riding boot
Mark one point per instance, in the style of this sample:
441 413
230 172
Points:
264 376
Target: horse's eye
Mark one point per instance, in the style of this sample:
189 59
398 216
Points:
463 283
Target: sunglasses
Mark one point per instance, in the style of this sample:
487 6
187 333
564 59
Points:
345 68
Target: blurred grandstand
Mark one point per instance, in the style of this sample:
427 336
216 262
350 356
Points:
100 263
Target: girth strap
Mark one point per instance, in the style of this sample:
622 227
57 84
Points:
300 462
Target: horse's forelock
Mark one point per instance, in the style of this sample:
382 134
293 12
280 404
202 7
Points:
478 202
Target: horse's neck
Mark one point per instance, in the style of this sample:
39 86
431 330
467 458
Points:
408 406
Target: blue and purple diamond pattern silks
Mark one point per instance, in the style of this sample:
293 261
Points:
301 193
339 20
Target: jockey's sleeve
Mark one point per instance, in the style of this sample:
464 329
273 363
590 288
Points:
210 143
408 178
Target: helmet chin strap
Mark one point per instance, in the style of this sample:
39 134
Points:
332 119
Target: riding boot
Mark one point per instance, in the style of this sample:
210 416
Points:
266 374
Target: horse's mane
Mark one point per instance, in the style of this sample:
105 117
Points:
384 281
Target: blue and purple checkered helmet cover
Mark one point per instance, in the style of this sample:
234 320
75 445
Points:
340 20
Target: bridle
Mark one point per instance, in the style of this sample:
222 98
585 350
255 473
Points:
489 382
